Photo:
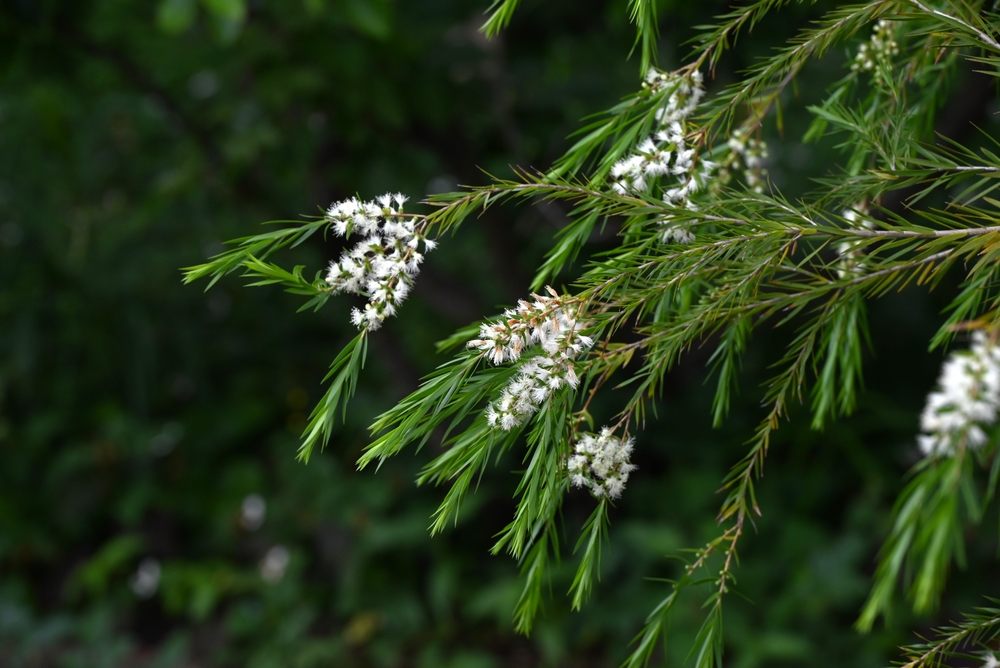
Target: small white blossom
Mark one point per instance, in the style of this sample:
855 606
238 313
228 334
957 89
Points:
383 265
601 463
553 324
146 579
273 565
990 660
253 512
967 399
680 235
666 152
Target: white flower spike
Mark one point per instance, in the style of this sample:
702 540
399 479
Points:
601 463
547 321
383 265
666 153
967 399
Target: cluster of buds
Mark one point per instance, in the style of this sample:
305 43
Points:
601 463
967 398
879 49
852 258
383 264
748 153
551 322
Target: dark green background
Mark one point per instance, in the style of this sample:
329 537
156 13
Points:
136 413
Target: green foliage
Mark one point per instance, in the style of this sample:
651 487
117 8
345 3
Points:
713 261
978 629
94 576
926 536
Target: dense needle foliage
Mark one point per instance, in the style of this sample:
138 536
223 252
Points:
707 254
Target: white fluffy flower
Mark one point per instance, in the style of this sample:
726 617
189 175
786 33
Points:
680 235
601 463
664 152
666 155
747 158
550 322
381 266
967 399
685 93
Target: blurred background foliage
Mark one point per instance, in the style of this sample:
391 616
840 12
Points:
151 509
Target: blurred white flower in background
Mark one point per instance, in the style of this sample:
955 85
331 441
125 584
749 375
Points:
146 579
253 512
274 564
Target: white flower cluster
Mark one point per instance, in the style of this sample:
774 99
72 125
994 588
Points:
666 151
601 463
880 48
685 93
991 660
382 266
550 322
968 398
